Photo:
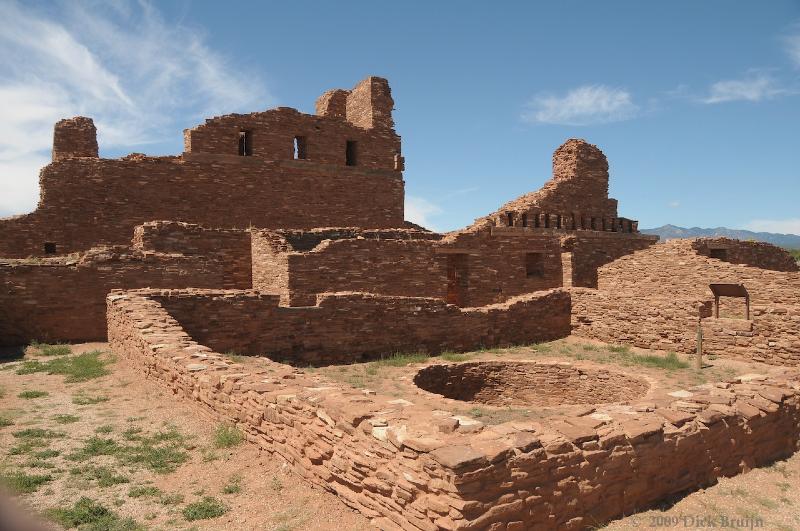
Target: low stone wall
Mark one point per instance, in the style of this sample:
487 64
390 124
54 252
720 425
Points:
64 299
654 298
231 247
756 254
409 467
659 325
347 327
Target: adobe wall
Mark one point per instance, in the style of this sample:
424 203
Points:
348 327
86 202
230 247
559 473
404 263
653 299
575 198
63 298
272 133
756 254
591 250
495 261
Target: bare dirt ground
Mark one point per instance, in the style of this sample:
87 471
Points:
258 491
147 458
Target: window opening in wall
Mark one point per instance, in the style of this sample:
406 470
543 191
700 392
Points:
547 221
558 222
457 282
510 216
524 220
719 254
593 223
49 248
534 265
245 143
737 291
351 153
536 220
299 147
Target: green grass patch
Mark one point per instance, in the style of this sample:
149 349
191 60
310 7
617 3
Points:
39 463
81 399
227 436
102 475
38 433
402 359
22 483
669 362
89 515
144 491
170 500
161 452
454 356
29 395
27 446
46 454
106 428
5 421
234 485
46 349
204 509
80 368
65 419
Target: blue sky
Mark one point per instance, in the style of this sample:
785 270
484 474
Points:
696 104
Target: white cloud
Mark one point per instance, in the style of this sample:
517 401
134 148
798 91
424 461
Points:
419 211
142 79
674 204
755 87
792 43
782 226
590 104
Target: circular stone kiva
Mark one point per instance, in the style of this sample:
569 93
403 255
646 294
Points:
508 383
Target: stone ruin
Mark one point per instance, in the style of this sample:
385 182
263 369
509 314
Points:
283 233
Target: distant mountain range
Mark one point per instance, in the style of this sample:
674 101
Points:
669 232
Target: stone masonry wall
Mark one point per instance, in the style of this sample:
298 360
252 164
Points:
576 198
86 202
404 263
654 298
404 468
74 137
756 254
591 250
230 247
273 169
348 327
63 299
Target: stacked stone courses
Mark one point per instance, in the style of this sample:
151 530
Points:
387 458
281 234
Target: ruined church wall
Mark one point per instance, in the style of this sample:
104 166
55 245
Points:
388 267
58 300
349 327
88 202
756 254
230 247
496 263
272 137
592 250
654 298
